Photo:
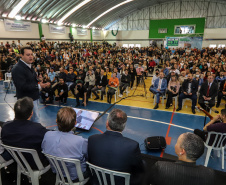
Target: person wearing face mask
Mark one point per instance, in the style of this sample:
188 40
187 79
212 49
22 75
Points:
155 77
189 90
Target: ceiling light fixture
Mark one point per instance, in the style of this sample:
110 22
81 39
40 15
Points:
73 10
112 8
17 8
18 17
73 25
44 21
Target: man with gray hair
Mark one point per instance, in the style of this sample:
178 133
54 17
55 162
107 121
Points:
111 150
189 148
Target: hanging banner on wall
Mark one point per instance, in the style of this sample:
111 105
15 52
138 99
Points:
15 25
57 29
96 33
81 31
172 41
184 42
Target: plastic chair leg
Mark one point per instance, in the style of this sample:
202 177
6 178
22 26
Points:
35 178
207 156
222 157
18 175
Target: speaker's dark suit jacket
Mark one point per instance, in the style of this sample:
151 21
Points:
113 151
181 173
25 80
25 134
212 93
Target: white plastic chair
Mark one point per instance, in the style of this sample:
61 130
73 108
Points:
98 170
176 100
24 167
58 163
163 97
4 163
8 77
217 145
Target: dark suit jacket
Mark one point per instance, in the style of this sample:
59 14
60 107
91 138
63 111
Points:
194 86
102 82
222 85
181 173
212 92
113 151
25 80
24 134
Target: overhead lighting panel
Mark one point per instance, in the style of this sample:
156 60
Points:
73 10
17 8
112 8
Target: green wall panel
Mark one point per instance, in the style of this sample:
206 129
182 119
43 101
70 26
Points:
170 24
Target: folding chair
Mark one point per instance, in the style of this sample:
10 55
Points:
98 170
62 173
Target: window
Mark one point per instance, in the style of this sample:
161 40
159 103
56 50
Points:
212 45
131 45
137 45
125 45
221 45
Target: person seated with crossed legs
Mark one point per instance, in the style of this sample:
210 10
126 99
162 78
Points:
208 92
189 90
159 88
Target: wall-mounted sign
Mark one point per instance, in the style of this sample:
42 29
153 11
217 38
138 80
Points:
15 25
162 30
81 31
57 29
96 33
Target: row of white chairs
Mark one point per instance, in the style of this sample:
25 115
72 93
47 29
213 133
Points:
59 163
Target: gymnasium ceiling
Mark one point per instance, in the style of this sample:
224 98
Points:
53 10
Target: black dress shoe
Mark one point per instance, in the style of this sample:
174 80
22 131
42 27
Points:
77 105
101 98
156 106
218 105
178 109
193 111
97 98
166 107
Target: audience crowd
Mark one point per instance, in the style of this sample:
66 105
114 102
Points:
85 68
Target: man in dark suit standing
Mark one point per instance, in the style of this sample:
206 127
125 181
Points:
24 133
25 80
113 151
208 92
189 90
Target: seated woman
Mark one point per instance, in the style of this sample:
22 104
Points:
112 85
65 144
172 90
189 148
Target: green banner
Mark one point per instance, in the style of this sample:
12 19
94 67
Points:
172 42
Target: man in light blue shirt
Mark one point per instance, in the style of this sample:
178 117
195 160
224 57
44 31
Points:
64 143
52 75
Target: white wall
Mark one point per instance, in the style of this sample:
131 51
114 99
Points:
217 34
129 37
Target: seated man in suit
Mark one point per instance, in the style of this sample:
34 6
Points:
64 143
23 133
113 151
159 88
221 93
189 148
208 92
189 90
101 83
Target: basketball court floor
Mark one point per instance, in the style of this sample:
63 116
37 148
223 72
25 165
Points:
143 121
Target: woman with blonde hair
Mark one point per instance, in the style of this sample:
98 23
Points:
172 90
